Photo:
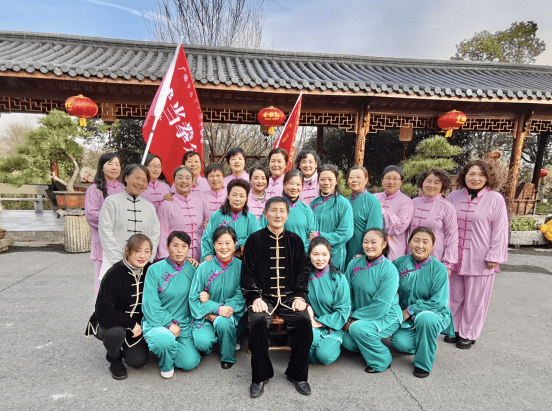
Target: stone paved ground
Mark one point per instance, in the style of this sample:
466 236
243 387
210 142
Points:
48 364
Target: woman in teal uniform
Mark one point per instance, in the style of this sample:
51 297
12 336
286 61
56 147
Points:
300 219
333 215
366 209
216 299
329 302
167 318
233 213
375 312
423 297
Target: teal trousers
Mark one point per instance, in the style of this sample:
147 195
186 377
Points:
222 330
172 352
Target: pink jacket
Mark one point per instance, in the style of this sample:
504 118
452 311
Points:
255 205
231 177
275 188
397 210
155 192
311 189
212 201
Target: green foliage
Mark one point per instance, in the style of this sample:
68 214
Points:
518 44
346 191
437 146
544 208
410 190
53 141
523 224
416 164
127 141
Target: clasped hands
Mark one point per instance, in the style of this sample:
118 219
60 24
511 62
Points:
259 305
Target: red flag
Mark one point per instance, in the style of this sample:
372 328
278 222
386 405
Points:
288 136
177 116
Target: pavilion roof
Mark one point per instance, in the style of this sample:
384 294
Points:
67 55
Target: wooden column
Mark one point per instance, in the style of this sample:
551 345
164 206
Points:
515 159
363 123
543 140
319 140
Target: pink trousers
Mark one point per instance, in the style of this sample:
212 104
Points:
97 267
469 300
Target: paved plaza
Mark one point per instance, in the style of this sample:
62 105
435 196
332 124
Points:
48 364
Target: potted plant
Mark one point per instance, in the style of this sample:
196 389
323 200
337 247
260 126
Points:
525 231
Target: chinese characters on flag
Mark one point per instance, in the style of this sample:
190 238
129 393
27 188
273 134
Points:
288 136
180 124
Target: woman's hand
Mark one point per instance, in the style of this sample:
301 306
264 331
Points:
491 265
225 311
299 304
211 317
313 235
136 331
205 223
168 197
449 272
311 313
259 306
349 322
208 258
192 261
356 256
316 324
204 296
406 316
175 329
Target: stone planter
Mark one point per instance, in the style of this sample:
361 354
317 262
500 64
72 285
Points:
535 237
70 200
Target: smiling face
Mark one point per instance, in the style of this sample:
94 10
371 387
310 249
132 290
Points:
277 165
308 166
373 244
258 182
357 181
194 163
136 182
237 164
320 257
327 182
276 215
141 255
224 247
183 182
432 186
475 179
154 168
421 245
178 250
391 182
237 198
215 180
112 170
293 188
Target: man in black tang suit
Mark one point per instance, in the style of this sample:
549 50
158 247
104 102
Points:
274 280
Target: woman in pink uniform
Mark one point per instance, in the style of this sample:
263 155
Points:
482 246
396 209
184 213
257 197
307 161
105 184
215 197
156 189
432 211
277 163
236 159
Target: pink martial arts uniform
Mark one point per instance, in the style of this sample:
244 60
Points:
212 201
255 205
482 237
201 186
397 213
182 214
243 176
93 200
311 189
439 215
155 192
275 188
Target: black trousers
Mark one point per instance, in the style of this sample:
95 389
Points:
299 328
114 342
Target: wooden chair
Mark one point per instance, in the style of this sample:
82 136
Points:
277 329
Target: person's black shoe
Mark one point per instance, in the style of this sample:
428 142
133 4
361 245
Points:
452 340
419 373
257 389
226 365
464 343
118 369
370 370
302 387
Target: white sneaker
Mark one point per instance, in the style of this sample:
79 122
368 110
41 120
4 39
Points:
238 347
167 374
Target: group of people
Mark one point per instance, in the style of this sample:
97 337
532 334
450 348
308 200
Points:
230 252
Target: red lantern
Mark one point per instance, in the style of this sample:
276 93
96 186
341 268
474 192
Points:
81 107
269 118
494 155
543 173
451 121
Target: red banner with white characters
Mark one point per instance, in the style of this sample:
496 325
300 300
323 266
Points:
179 126
288 136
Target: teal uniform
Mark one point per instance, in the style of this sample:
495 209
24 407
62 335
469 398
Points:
330 300
424 290
243 224
223 285
300 220
165 302
334 219
366 214
375 307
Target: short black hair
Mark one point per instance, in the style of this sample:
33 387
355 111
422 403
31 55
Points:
238 182
279 150
273 200
437 172
131 168
181 235
389 169
261 168
189 154
233 151
303 154
383 234
224 229
422 230
213 167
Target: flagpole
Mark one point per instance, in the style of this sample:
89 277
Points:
150 139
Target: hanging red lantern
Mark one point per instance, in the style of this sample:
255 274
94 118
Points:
81 107
543 173
269 118
494 155
451 121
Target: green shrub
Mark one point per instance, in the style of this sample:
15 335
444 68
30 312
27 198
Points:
523 224
544 208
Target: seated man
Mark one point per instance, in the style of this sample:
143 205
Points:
274 279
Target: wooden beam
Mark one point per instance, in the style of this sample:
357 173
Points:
543 140
515 160
362 130
319 140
